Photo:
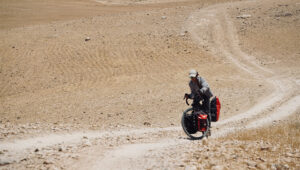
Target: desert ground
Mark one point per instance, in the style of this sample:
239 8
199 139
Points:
98 84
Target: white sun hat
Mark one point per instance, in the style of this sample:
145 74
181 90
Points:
193 73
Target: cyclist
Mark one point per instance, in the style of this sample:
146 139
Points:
199 90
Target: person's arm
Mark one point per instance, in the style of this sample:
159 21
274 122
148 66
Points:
191 95
204 85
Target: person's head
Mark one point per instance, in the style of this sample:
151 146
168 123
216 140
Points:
193 74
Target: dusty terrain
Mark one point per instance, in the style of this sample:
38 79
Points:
99 84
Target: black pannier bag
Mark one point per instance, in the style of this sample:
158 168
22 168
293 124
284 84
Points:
190 123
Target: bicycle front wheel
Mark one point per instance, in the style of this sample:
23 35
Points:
189 125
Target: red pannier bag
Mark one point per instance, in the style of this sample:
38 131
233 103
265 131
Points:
215 107
202 124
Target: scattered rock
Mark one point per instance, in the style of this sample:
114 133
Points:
284 15
261 159
47 162
84 137
36 150
164 17
24 159
183 33
287 160
3 163
261 166
87 144
286 166
60 149
212 163
250 163
75 156
279 167
147 124
244 16
264 148
87 39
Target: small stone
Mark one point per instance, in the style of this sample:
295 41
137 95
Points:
60 149
279 166
287 14
289 155
36 150
47 162
85 137
261 166
24 159
87 144
264 148
212 163
250 163
244 16
261 159
3 163
286 166
147 123
74 156
87 39
286 159
164 17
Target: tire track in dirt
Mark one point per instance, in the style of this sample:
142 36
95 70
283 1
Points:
210 17
280 97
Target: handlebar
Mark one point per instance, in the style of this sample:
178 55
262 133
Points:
186 101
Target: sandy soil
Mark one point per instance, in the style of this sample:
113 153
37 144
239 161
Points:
115 100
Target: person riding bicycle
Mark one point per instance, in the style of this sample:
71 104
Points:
199 90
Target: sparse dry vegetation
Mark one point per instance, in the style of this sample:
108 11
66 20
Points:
285 133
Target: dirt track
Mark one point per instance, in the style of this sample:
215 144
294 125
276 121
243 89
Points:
92 78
